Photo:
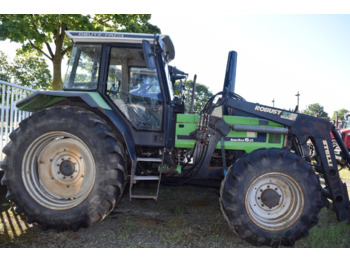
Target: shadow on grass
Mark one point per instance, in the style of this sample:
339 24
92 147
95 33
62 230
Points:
12 225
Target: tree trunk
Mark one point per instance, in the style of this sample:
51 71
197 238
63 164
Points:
57 76
59 35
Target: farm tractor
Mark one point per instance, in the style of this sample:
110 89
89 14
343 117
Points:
344 131
118 123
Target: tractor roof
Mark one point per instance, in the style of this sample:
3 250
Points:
120 37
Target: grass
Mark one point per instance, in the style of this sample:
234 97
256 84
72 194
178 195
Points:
327 233
184 216
344 174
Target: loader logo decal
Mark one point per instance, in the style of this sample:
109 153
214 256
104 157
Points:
268 110
328 154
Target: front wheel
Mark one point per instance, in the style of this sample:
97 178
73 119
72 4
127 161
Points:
271 197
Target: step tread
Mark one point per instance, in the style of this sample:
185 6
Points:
144 197
137 178
146 159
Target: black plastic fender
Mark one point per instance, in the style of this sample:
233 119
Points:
43 99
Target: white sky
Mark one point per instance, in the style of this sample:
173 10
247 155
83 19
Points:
279 54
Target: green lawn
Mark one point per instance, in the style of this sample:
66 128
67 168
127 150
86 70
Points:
344 174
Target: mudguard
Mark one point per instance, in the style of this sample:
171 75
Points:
43 99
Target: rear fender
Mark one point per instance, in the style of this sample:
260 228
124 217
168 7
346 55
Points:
44 99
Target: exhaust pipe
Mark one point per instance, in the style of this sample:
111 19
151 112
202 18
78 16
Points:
230 76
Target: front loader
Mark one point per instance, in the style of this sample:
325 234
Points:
120 121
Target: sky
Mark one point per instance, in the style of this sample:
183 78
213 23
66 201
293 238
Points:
279 54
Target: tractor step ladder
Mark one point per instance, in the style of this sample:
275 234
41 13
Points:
134 178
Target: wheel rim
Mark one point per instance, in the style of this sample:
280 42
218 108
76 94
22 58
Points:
274 201
58 170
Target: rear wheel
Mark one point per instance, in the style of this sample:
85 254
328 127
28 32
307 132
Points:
271 197
64 168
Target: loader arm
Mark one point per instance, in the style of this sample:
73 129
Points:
301 128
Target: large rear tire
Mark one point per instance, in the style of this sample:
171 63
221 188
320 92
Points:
64 168
271 197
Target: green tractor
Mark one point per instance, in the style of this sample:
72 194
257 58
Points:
118 122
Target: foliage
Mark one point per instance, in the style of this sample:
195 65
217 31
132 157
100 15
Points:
36 31
32 71
26 70
202 95
341 113
4 67
315 110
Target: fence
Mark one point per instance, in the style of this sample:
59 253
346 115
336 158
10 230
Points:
10 115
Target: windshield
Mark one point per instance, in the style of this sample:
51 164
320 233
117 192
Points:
83 67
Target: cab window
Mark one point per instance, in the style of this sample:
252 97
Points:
83 67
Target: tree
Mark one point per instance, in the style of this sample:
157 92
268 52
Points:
202 95
32 71
26 70
340 113
315 110
35 32
4 67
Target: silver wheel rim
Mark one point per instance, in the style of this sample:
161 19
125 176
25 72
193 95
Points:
58 170
274 201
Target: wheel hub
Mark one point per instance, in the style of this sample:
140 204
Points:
274 200
270 198
67 168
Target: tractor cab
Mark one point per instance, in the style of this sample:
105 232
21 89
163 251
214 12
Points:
130 71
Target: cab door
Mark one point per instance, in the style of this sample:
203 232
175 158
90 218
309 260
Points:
136 92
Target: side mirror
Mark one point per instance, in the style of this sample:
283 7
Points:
148 55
